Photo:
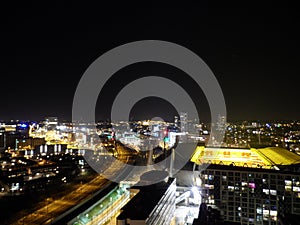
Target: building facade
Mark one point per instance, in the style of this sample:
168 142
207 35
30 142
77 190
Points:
251 195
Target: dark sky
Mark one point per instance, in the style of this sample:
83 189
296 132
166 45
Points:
253 53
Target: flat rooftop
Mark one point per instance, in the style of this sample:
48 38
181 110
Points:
279 156
262 157
142 204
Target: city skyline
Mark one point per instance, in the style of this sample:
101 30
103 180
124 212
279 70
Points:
63 163
251 52
149 115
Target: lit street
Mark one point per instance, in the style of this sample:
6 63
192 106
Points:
52 209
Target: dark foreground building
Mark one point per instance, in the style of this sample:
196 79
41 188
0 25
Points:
154 204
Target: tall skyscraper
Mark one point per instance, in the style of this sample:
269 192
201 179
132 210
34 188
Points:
176 122
2 139
183 122
221 124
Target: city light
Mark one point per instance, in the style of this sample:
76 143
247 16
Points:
102 124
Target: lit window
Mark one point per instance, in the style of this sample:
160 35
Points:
252 185
288 182
266 191
296 189
230 188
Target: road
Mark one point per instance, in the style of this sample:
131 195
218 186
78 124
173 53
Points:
54 208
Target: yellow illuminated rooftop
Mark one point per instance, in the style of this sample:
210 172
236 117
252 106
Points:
279 156
264 157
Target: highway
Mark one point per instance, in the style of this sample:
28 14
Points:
53 208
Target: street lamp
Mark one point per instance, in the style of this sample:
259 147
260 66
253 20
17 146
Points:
17 141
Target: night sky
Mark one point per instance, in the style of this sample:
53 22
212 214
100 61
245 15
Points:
253 53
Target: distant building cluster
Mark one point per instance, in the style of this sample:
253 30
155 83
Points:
250 177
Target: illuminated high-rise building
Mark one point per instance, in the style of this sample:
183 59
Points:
221 124
183 122
2 139
176 121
